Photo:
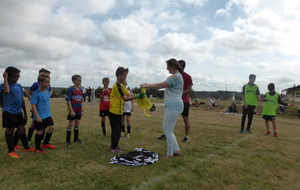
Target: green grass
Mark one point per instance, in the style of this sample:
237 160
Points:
217 157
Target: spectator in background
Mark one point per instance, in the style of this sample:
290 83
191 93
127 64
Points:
89 93
232 108
212 102
93 95
83 93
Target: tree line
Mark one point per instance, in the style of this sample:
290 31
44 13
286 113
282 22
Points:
155 93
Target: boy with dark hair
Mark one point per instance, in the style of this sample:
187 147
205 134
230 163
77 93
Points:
250 96
29 92
118 96
40 104
104 95
74 98
14 114
271 100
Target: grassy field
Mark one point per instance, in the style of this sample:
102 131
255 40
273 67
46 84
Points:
216 157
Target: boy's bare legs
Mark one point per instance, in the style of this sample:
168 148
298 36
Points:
186 127
267 126
274 128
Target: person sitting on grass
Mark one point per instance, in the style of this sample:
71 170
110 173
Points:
196 103
212 102
232 108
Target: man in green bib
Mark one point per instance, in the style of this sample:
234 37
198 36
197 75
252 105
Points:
250 96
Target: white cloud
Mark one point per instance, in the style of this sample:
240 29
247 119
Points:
89 7
129 33
93 38
292 8
222 12
195 2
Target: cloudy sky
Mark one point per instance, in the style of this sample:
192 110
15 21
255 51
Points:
222 41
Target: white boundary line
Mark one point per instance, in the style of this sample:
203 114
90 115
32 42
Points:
153 181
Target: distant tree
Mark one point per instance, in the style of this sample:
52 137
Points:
193 94
149 91
97 92
63 92
136 90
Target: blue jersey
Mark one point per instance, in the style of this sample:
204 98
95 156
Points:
42 101
75 97
36 85
12 102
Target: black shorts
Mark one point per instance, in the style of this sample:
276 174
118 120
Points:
10 120
126 114
103 113
269 117
186 109
47 122
77 117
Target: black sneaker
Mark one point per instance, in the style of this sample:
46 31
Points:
162 137
185 139
242 131
248 131
67 144
78 141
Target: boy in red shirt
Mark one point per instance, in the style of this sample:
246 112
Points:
104 95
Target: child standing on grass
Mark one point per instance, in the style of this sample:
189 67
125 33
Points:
40 103
128 108
74 100
14 114
104 95
29 92
118 95
271 100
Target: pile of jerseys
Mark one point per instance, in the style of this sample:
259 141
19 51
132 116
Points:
138 157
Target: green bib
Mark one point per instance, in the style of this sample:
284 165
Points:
271 104
250 94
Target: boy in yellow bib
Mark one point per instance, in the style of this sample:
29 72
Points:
271 100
